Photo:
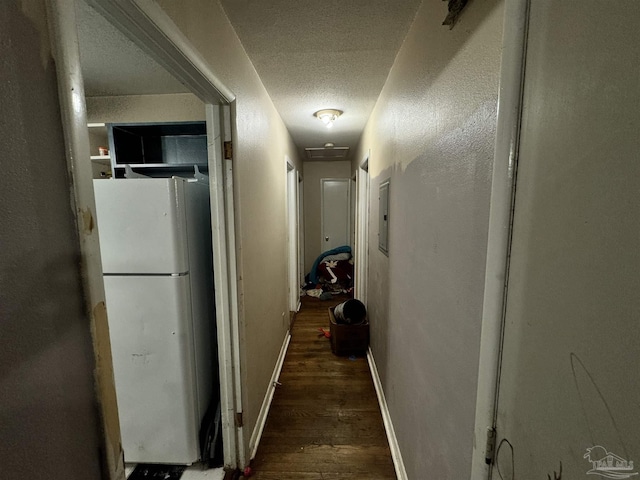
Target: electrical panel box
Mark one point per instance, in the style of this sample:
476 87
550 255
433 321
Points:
383 224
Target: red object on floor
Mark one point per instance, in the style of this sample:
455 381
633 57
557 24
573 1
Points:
326 333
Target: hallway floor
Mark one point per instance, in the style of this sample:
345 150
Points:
324 422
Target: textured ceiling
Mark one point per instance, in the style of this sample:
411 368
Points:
112 64
310 55
316 54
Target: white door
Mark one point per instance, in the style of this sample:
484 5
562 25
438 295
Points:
335 212
569 392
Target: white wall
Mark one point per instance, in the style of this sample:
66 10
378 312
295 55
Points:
48 406
313 173
571 371
261 142
432 133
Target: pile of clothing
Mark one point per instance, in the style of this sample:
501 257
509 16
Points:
332 273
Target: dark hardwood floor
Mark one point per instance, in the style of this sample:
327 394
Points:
324 422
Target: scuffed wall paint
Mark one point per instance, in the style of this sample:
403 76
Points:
261 142
432 134
48 409
106 389
87 221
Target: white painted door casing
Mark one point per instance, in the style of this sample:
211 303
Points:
570 359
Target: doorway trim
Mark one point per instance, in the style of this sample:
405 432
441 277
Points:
514 45
292 233
226 296
151 29
301 272
146 24
362 229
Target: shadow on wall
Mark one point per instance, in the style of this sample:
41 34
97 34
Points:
432 133
379 285
425 165
46 367
454 38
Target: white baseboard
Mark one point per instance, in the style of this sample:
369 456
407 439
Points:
401 473
266 403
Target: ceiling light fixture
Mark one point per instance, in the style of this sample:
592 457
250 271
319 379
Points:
328 116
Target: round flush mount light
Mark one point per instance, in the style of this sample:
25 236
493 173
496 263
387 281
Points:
328 116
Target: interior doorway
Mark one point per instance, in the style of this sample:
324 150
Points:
293 209
362 230
148 28
301 272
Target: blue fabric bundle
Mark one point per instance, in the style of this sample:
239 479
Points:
313 276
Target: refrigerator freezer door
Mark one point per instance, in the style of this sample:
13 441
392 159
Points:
152 344
142 225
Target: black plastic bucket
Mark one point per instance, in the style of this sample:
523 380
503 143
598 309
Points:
351 312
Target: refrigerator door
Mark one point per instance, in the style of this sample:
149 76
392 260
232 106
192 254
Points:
142 225
152 344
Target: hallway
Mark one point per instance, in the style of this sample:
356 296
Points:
497 222
324 421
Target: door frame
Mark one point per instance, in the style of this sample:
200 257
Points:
146 24
362 230
301 272
514 45
347 181
293 209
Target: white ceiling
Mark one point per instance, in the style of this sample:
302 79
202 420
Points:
310 55
112 64
316 54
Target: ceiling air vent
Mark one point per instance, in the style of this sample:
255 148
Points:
327 153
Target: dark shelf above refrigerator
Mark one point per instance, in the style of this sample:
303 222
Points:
158 149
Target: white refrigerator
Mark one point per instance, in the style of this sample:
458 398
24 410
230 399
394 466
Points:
155 243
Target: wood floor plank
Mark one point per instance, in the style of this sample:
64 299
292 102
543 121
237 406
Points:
355 466
286 475
324 422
